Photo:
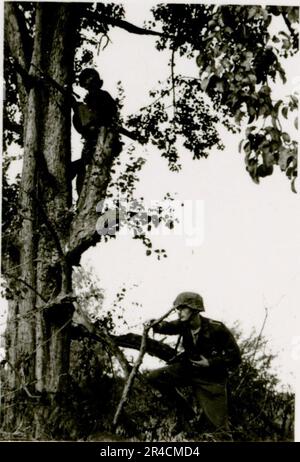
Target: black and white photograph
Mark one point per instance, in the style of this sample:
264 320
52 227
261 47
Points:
150 243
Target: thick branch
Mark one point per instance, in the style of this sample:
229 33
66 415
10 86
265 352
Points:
132 28
133 341
13 34
137 364
132 376
128 133
154 347
83 233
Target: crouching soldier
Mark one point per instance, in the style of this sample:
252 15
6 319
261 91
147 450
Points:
210 350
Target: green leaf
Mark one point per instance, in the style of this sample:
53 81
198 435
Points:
247 147
204 84
284 154
284 112
251 110
286 137
275 39
277 105
252 78
250 130
264 110
199 60
274 122
282 75
252 12
240 145
238 116
293 102
283 33
251 119
268 155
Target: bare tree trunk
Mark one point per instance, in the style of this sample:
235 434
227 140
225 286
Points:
38 343
52 236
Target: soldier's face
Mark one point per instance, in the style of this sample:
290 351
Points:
90 82
185 313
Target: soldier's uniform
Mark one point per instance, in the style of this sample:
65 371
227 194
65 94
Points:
98 110
216 343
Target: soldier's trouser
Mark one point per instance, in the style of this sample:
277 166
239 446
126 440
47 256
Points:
79 166
211 396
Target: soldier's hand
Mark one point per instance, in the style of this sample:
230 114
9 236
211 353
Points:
148 324
203 362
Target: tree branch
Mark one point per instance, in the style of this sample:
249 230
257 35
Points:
173 82
21 376
251 360
17 278
83 233
14 38
137 364
289 26
27 40
132 341
132 376
132 28
88 329
154 348
128 133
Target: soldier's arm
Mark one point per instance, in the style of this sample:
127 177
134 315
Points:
229 353
108 107
168 328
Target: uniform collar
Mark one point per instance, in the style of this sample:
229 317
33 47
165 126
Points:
204 328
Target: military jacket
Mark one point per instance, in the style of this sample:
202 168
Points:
214 341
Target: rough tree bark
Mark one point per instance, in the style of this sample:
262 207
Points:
54 232
52 236
37 347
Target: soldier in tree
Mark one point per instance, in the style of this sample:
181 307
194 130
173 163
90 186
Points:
210 350
99 109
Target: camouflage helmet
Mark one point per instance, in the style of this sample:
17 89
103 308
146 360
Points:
190 299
